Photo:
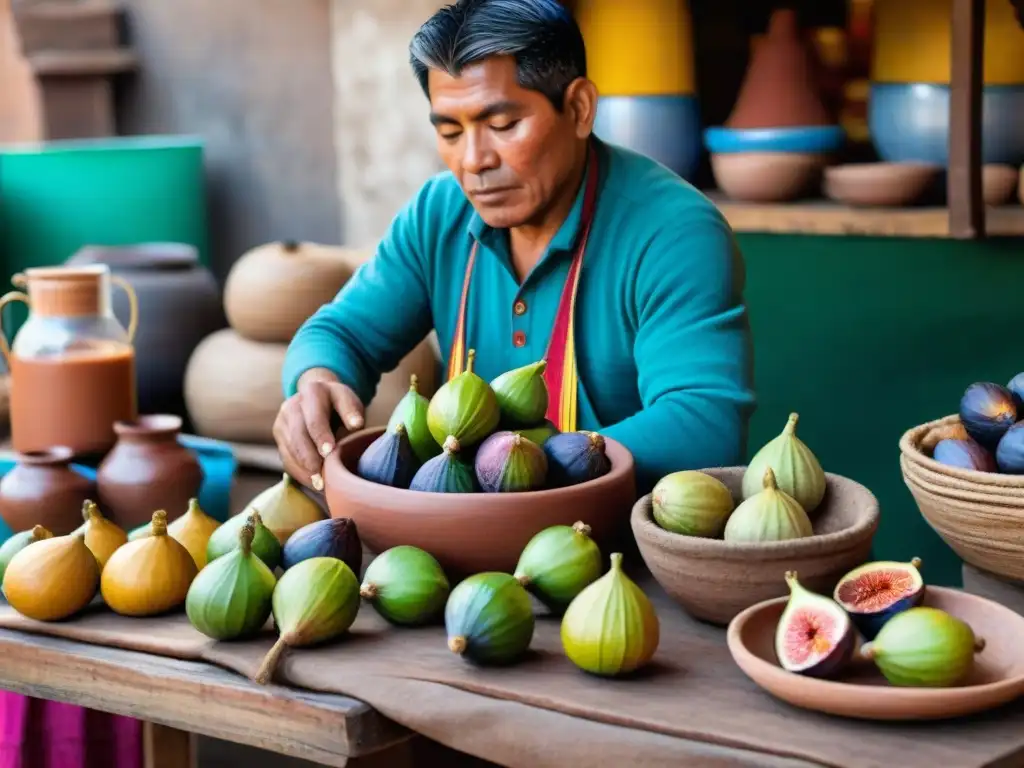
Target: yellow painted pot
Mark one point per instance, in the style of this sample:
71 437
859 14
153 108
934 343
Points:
912 42
638 48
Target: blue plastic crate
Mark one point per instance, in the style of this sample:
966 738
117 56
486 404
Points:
216 459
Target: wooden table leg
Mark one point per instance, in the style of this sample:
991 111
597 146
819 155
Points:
166 747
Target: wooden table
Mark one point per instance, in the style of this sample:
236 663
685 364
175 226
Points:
179 699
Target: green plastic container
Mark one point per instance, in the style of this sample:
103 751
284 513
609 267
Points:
58 196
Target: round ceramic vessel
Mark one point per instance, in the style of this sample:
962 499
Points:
909 122
475 532
714 580
665 128
811 139
766 177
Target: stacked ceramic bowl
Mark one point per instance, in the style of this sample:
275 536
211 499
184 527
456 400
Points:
779 134
908 108
980 515
640 55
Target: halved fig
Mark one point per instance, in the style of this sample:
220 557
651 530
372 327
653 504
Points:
815 636
875 592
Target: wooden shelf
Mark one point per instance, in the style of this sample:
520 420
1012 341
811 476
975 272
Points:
827 218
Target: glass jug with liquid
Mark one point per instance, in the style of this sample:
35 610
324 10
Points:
72 364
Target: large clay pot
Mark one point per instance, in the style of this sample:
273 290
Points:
179 306
272 289
148 470
233 386
43 489
782 86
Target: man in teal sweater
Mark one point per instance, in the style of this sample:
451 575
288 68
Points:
540 242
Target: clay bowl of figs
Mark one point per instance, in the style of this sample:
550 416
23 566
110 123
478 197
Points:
720 540
966 474
883 646
473 473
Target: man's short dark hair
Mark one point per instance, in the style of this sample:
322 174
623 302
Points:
541 34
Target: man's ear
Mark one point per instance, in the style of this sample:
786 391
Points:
581 104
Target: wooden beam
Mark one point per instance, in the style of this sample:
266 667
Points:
966 207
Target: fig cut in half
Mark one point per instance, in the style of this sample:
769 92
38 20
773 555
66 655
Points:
875 592
814 636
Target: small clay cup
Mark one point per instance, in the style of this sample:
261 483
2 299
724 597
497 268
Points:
766 177
879 184
43 489
714 580
473 532
148 469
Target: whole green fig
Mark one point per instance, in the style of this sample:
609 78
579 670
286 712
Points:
464 407
406 585
264 543
411 411
796 468
522 394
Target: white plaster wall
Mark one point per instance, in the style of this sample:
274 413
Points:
383 143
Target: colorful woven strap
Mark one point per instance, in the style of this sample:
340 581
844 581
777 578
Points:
560 374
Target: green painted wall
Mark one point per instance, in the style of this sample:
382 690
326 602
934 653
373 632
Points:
866 337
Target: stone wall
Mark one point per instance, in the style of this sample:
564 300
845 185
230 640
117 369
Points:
385 147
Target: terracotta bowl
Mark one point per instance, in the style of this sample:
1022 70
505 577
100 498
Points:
881 184
766 177
978 514
998 183
714 580
863 693
474 532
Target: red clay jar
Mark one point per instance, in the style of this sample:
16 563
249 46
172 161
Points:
148 469
43 489
782 86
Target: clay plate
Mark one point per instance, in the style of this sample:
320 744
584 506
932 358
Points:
863 693
473 532
882 184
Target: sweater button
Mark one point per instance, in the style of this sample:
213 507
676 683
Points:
519 307
519 339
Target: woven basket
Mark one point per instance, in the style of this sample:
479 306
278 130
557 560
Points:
980 515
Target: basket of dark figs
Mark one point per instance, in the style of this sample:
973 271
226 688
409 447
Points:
966 474
720 540
472 473
882 646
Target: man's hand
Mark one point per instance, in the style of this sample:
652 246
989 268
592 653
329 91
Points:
302 429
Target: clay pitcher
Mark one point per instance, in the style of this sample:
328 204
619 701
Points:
147 470
43 489
72 364
781 86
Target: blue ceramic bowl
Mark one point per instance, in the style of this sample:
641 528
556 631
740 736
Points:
811 139
909 122
665 128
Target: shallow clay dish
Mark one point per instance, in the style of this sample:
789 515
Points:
714 580
766 177
881 184
473 532
863 693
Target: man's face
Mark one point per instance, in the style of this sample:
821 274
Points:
509 148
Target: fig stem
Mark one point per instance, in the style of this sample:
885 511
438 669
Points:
368 591
89 510
245 537
791 580
596 440
769 480
979 644
916 562
193 505
470 359
517 439
580 527
158 526
523 579
616 558
451 444
867 651
39 533
270 661
289 246
255 518
540 365
790 428
457 644
400 428
414 383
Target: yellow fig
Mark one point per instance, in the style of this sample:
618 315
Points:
284 509
150 575
102 536
611 628
53 578
771 515
193 530
796 468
